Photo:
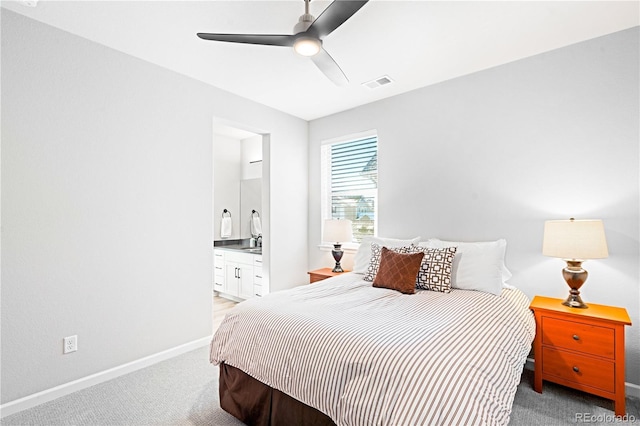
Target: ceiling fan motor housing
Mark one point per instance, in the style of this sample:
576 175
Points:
304 23
306 43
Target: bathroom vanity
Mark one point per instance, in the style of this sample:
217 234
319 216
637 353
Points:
237 272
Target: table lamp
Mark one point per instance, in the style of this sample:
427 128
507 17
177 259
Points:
337 231
574 241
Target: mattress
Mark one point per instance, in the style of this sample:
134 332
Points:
364 355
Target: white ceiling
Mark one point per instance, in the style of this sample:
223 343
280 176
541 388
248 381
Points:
416 43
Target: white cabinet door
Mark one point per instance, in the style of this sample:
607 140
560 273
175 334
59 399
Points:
246 280
231 282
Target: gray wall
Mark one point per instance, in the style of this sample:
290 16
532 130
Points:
496 153
106 204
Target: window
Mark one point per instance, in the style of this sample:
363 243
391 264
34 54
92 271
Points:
350 183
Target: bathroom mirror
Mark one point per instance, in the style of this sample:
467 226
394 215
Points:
250 199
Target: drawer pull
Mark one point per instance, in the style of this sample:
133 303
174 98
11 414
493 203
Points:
576 369
576 337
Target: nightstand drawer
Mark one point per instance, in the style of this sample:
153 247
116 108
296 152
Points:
322 274
314 278
583 370
577 336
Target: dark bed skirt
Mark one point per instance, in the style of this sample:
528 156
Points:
255 403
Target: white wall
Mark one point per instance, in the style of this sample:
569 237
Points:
495 154
106 205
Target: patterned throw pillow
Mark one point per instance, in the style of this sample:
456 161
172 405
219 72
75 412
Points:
435 270
398 271
374 263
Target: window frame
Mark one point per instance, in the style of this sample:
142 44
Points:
325 208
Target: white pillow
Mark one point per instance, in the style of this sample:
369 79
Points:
477 265
363 255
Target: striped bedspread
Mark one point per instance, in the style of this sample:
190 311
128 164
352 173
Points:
372 356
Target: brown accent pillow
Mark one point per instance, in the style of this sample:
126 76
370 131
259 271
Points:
398 271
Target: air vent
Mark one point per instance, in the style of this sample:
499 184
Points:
378 82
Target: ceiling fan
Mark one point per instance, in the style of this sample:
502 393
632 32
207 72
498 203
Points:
307 37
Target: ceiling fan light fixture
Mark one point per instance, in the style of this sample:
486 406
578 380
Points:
307 36
307 46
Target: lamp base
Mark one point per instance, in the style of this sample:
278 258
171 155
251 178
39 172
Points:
575 276
574 300
337 255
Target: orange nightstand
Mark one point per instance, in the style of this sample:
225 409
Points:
322 274
581 348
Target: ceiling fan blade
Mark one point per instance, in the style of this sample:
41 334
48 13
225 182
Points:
330 68
264 39
334 15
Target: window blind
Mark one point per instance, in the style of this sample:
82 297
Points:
351 184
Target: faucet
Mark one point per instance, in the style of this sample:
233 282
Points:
259 240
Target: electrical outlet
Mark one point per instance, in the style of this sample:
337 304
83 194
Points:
70 344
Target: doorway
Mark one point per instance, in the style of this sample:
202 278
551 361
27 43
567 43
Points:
240 190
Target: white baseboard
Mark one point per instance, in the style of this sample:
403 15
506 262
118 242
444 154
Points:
630 389
65 389
530 364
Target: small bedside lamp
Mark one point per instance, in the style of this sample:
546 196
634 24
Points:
574 241
337 231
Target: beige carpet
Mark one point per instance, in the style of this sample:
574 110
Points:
178 391
184 391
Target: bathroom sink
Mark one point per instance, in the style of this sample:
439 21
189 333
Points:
252 249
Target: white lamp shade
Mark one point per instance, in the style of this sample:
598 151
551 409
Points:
337 231
574 239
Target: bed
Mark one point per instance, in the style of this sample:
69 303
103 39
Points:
344 352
